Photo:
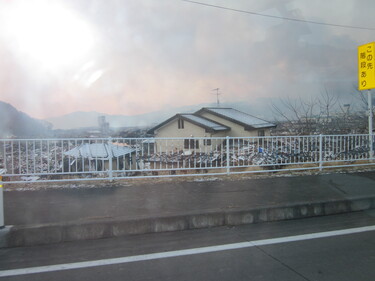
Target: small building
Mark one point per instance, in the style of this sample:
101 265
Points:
148 146
97 157
103 126
205 124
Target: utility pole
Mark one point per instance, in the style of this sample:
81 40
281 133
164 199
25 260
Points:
217 96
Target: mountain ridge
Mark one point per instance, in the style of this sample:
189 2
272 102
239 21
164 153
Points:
15 123
82 119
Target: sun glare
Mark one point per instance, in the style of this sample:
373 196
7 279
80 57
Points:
48 33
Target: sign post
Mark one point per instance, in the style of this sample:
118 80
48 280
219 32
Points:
370 129
366 81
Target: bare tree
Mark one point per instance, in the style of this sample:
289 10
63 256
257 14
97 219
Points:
323 114
327 102
295 115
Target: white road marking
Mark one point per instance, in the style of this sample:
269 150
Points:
179 253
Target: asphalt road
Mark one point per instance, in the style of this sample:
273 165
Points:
251 252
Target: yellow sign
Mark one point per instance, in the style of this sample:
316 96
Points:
1 181
366 66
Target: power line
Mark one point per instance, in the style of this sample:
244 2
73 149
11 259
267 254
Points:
277 17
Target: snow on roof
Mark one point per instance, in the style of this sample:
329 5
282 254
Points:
238 116
99 151
205 122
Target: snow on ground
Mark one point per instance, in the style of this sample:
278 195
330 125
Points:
123 183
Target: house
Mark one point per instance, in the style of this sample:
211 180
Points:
97 157
206 123
186 127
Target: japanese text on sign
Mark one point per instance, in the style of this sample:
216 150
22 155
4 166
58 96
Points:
366 66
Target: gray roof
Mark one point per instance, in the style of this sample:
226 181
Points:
99 151
236 116
204 122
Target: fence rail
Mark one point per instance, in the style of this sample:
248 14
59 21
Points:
111 158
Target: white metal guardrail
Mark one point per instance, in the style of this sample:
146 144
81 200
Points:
111 158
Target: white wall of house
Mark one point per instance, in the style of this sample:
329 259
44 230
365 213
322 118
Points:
236 129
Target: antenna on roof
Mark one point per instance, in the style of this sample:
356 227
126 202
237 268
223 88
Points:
217 96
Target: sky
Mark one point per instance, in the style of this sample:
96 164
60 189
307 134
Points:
132 57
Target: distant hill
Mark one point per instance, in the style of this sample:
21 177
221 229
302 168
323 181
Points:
14 123
77 120
81 119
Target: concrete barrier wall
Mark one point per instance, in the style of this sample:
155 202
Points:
16 236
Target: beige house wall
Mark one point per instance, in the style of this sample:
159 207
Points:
171 130
189 131
236 129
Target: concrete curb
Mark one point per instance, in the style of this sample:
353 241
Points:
17 236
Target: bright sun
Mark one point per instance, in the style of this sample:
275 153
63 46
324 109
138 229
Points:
47 32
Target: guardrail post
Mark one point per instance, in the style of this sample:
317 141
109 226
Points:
372 147
228 156
2 171
320 152
110 159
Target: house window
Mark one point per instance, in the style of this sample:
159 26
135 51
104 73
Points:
180 123
207 142
261 133
191 144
